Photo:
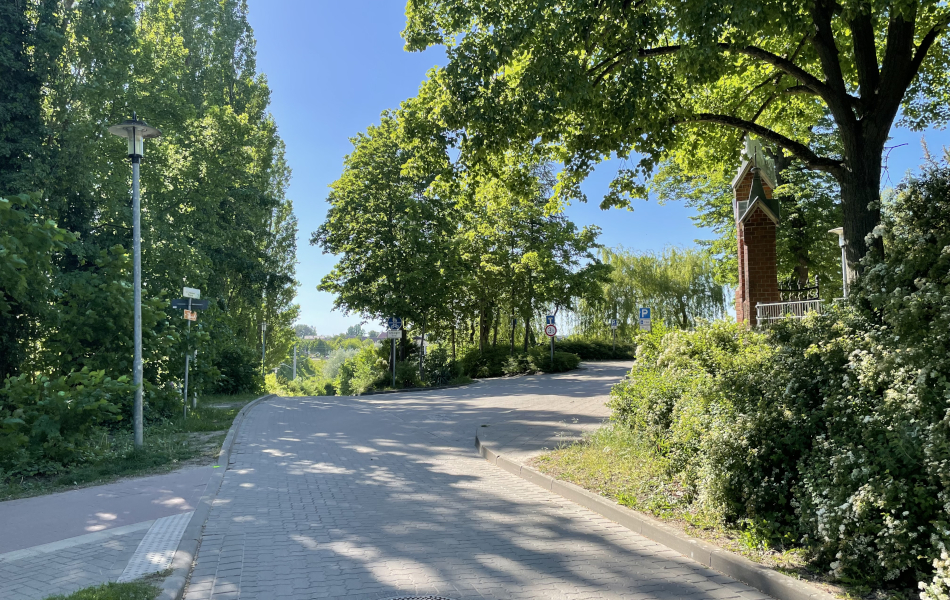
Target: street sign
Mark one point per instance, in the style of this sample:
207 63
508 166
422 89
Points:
191 315
394 323
550 330
613 323
394 333
191 293
549 320
645 321
188 303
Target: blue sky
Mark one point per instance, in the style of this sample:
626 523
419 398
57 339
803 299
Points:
333 67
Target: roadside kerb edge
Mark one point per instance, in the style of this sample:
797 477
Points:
416 389
762 578
174 585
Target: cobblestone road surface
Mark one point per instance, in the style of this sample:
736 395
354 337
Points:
385 496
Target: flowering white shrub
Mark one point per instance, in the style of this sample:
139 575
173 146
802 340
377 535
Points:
833 430
939 587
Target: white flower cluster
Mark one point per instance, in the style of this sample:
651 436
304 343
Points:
939 587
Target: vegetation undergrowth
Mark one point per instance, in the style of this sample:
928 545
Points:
356 371
620 464
107 454
830 434
144 589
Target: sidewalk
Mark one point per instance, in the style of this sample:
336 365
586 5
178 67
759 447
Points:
59 543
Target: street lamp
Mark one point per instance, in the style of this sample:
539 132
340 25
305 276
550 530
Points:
839 231
135 132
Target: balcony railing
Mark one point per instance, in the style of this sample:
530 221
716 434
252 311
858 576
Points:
776 311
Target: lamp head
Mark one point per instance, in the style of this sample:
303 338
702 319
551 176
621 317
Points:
135 132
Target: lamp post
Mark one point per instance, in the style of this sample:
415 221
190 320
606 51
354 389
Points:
136 132
263 349
839 231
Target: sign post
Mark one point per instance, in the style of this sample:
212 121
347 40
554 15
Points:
191 304
191 294
645 320
613 327
394 331
550 330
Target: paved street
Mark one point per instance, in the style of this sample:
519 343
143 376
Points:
380 496
59 543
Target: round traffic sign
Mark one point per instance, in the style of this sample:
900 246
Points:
550 330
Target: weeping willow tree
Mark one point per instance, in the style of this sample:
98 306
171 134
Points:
678 284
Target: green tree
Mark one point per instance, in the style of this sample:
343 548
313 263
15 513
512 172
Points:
598 79
810 207
678 284
393 238
214 186
29 244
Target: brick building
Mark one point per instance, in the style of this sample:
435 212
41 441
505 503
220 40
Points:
757 217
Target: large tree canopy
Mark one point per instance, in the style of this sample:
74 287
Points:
596 78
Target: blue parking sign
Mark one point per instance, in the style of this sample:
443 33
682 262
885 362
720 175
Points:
644 313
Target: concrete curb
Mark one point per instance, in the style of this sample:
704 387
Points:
764 579
417 389
174 585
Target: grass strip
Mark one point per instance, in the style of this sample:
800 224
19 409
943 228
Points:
134 590
619 464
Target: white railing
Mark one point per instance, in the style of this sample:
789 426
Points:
776 311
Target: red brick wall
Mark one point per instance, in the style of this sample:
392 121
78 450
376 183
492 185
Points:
758 273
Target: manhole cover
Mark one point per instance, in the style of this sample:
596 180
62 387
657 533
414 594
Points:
418 598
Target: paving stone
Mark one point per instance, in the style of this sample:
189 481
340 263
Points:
380 496
65 571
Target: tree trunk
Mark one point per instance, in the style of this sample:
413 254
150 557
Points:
861 202
485 314
527 329
494 341
453 341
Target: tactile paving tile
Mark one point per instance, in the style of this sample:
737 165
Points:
157 548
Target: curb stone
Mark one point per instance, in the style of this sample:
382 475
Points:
418 389
174 585
764 579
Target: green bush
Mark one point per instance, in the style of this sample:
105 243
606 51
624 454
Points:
362 372
240 369
834 430
596 349
489 362
439 369
496 361
47 424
